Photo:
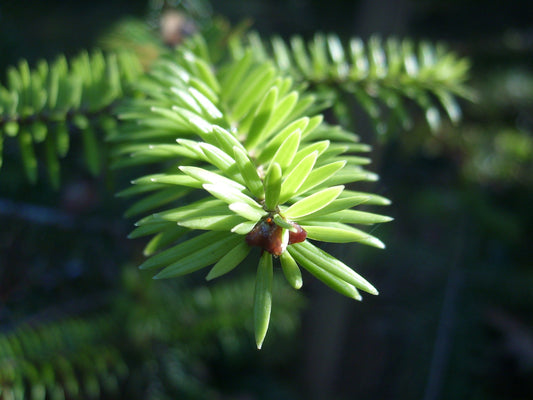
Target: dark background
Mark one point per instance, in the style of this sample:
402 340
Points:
454 319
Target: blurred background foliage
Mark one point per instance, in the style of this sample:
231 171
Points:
455 314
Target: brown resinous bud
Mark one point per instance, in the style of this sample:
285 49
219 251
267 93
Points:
272 237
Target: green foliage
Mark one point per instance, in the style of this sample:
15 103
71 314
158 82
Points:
264 164
128 350
495 151
382 75
45 107
72 358
238 152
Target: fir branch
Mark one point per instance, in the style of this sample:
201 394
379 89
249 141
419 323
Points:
381 75
250 144
43 107
111 353
241 139
72 358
